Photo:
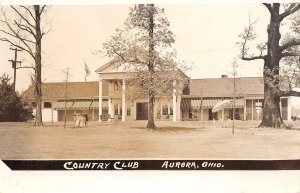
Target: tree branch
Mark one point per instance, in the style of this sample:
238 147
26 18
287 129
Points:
290 10
26 8
268 5
21 15
290 93
20 38
289 44
27 67
45 33
247 36
17 36
18 46
253 58
286 54
44 6
25 28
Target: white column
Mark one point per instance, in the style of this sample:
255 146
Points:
178 110
174 102
123 101
100 99
110 109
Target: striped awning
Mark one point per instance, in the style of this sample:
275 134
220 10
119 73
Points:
95 104
187 103
61 105
81 105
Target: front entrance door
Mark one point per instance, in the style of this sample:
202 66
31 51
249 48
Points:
141 111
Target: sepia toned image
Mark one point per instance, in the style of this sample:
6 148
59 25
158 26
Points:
150 81
151 88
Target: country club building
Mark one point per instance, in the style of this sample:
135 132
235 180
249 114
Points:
109 99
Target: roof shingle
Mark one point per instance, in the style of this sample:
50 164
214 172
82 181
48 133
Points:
76 90
223 87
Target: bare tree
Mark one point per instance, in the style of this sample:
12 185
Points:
235 82
144 49
22 29
272 52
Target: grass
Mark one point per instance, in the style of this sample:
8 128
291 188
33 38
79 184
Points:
183 140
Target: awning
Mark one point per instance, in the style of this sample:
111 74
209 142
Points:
95 104
221 105
207 103
82 105
187 103
61 105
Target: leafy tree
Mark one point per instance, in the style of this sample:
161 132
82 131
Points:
272 52
12 107
144 50
22 29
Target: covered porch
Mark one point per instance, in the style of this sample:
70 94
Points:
200 108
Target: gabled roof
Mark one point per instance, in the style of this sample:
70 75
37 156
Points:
76 90
223 87
114 66
111 64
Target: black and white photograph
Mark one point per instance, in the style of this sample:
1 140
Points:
150 86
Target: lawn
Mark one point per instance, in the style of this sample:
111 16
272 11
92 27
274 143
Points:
195 140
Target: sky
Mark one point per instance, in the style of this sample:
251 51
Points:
205 38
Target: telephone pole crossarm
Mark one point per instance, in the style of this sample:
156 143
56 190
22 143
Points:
14 65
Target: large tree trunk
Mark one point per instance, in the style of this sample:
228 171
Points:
271 113
271 109
38 68
275 52
151 124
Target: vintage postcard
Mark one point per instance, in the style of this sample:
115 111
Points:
155 86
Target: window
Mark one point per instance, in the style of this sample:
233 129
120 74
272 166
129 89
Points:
116 86
284 103
116 109
171 111
47 105
128 111
165 110
193 113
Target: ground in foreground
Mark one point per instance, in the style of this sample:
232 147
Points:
184 140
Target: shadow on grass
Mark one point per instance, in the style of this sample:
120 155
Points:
170 128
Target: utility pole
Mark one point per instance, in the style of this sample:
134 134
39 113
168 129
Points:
14 64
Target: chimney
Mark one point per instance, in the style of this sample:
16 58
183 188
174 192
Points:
224 76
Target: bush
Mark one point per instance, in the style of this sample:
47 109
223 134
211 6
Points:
12 107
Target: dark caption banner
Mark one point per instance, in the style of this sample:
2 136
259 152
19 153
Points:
153 164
